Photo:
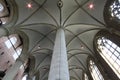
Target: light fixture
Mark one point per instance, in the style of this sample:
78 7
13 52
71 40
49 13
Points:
91 6
82 47
29 5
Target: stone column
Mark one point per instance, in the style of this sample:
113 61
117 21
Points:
59 64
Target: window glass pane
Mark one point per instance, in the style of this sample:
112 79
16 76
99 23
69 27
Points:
112 49
95 71
118 49
114 45
113 57
108 46
110 54
19 50
119 57
114 8
8 44
116 53
15 56
13 40
118 61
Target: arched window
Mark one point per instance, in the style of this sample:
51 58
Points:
85 77
110 53
96 74
4 12
115 9
112 14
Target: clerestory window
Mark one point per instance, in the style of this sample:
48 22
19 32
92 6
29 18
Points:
85 77
115 9
96 74
110 53
4 12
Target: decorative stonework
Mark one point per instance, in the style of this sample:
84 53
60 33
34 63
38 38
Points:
60 4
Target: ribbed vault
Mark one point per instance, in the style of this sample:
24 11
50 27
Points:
40 23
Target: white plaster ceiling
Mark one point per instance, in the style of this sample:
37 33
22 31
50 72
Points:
40 23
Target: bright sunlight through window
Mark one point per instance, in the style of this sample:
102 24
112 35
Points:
86 77
115 9
95 71
111 53
17 54
11 42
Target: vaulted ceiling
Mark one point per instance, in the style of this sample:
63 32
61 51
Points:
40 22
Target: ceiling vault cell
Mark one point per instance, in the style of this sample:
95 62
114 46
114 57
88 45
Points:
40 24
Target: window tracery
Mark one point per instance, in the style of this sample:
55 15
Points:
115 9
110 53
85 77
96 74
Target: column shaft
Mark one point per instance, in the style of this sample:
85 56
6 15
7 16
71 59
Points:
59 65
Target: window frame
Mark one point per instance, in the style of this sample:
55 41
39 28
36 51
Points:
97 66
106 68
112 22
